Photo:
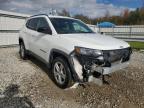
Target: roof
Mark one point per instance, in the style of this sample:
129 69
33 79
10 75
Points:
51 16
13 14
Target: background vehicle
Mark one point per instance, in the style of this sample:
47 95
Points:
71 49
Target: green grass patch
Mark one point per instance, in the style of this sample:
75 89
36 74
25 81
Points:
137 45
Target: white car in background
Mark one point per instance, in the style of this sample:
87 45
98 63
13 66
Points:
71 49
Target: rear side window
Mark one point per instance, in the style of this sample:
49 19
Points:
32 23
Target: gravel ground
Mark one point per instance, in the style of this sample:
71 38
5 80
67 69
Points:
27 84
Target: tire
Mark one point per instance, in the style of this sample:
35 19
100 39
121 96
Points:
22 51
61 73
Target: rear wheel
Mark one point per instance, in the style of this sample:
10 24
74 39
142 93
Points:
61 73
22 51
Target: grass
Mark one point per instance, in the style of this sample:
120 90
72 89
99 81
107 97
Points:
137 45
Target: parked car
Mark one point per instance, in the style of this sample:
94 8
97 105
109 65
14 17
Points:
72 51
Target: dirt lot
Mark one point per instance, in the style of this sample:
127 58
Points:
27 84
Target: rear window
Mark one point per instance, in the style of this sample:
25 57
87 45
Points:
32 23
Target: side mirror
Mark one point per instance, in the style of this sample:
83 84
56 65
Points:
44 30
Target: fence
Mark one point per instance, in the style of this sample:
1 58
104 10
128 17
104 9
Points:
124 30
129 33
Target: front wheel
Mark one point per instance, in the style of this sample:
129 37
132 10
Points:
61 73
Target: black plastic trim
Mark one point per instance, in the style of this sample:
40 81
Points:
69 59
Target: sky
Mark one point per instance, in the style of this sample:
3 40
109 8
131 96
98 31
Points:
124 3
90 8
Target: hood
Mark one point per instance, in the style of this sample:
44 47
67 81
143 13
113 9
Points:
95 41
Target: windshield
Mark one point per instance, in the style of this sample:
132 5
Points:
68 26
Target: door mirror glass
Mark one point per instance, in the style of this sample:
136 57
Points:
44 30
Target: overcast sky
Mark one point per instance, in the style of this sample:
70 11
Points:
91 8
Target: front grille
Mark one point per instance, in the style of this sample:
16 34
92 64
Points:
117 55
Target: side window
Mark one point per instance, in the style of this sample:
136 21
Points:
79 28
32 23
76 27
42 23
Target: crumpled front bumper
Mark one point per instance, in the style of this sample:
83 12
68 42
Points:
113 68
103 70
86 66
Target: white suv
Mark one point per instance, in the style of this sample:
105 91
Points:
71 49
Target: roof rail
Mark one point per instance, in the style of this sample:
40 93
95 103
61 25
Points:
38 15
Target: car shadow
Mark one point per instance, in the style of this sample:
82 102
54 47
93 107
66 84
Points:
10 99
42 66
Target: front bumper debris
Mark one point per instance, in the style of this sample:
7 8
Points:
113 68
109 62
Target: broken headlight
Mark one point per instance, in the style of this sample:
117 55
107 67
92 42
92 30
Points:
88 52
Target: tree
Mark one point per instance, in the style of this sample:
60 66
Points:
142 15
127 17
64 13
107 14
83 18
126 13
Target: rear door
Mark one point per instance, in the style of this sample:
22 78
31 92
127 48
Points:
39 43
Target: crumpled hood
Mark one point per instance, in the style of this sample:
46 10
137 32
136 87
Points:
95 41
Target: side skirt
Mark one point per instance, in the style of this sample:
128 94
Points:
39 58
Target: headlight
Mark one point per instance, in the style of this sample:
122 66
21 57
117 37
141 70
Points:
87 51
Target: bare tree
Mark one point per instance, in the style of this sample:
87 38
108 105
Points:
126 13
64 13
107 14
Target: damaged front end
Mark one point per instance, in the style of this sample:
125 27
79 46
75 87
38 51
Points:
87 62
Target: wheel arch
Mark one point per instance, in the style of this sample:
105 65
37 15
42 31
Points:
58 53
